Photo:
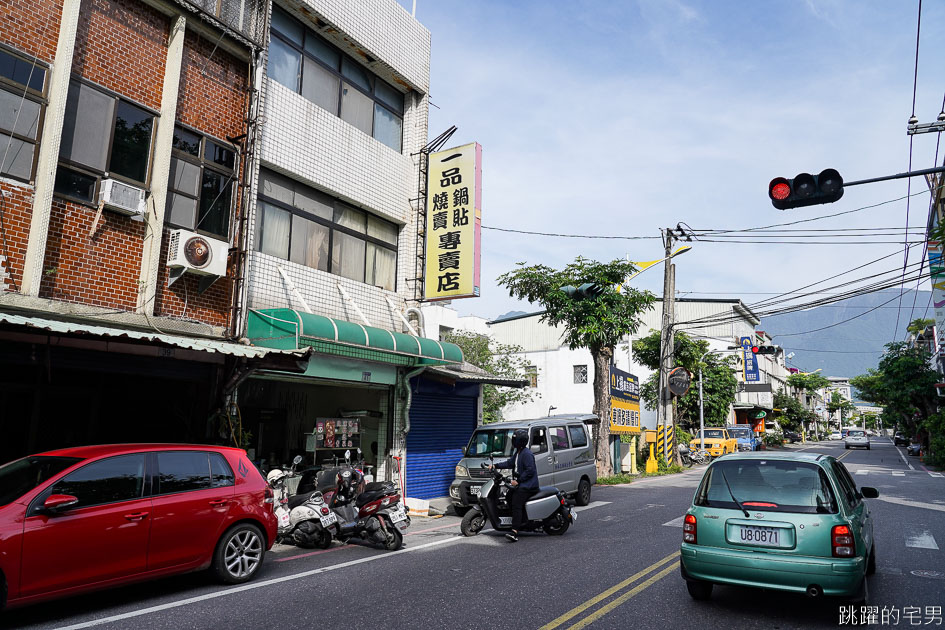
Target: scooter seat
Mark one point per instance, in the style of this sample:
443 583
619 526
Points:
546 491
298 499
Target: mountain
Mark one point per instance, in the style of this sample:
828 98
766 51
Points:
849 348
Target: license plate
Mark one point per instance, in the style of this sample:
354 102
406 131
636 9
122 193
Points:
474 490
397 515
329 519
283 518
766 536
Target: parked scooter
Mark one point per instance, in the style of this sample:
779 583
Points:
684 455
547 510
372 512
304 519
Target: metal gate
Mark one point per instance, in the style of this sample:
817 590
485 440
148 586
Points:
440 427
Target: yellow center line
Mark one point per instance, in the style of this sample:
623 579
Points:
603 610
610 591
842 456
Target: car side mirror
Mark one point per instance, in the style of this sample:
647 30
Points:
59 502
869 493
535 448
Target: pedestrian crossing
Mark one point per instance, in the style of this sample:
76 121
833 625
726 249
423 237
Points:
862 472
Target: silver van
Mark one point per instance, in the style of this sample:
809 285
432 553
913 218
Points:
563 452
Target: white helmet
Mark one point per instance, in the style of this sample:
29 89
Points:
275 476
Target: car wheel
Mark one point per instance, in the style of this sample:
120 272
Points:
557 524
472 523
239 554
698 590
584 493
867 447
846 447
871 563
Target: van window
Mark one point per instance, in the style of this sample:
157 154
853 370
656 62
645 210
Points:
770 485
578 436
539 437
485 442
559 439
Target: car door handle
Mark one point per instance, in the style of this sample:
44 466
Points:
136 516
219 502
551 460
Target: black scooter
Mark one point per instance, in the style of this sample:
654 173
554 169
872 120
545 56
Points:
547 510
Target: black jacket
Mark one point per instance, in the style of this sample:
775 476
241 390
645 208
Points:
523 468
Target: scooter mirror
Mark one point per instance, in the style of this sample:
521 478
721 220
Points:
297 460
348 455
359 452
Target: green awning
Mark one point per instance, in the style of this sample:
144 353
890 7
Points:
288 329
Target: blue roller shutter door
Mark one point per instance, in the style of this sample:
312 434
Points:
440 427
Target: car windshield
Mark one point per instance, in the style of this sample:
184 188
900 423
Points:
769 485
22 475
740 432
714 433
485 442
857 434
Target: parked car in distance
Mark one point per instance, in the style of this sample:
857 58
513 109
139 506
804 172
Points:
718 442
900 439
789 521
564 456
834 435
914 449
792 436
856 438
93 517
745 437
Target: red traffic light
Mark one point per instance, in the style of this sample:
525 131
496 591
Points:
779 189
806 189
754 349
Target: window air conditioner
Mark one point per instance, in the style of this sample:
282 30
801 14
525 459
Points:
197 254
122 198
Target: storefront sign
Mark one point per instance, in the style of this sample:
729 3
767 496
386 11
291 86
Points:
937 272
624 402
751 371
454 216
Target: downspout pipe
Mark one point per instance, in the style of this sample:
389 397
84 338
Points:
421 328
409 398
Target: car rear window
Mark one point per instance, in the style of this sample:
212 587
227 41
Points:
716 434
767 485
740 432
22 475
857 434
578 436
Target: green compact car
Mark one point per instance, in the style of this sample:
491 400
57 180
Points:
785 521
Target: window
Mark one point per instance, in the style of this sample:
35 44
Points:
22 85
221 474
539 438
531 373
778 486
307 227
578 436
580 374
106 481
182 471
102 135
200 193
559 438
307 64
847 486
22 475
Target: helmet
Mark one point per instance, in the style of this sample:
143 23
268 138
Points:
520 438
275 476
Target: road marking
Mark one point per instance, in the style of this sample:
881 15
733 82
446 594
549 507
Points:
255 585
577 610
862 472
935 474
898 473
844 455
676 522
592 504
313 553
603 610
905 461
908 503
431 529
921 540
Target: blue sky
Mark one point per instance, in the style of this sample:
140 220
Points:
619 118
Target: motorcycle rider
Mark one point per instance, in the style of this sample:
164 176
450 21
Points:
524 479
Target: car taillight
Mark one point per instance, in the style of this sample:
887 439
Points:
269 494
325 510
689 529
844 545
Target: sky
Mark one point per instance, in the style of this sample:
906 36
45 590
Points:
621 118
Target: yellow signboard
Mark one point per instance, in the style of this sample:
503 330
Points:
454 217
624 402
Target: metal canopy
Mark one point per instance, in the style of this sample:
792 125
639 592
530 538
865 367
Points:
288 329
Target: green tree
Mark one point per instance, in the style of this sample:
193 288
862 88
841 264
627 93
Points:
919 325
792 415
499 360
719 384
807 381
596 323
841 404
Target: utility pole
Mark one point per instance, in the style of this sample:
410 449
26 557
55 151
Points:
667 337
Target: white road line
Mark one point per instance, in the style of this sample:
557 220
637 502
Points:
921 540
908 503
899 473
862 472
262 584
906 461
935 474
676 522
592 504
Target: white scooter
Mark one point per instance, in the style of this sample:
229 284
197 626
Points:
304 519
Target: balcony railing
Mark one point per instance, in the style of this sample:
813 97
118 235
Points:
245 17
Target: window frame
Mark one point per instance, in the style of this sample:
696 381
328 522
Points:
338 74
202 162
26 92
332 227
107 174
156 478
577 369
580 428
146 473
541 432
531 372
565 433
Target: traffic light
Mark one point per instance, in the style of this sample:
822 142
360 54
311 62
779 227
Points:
806 189
764 349
586 290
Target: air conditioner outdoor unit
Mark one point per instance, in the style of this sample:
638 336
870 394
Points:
197 254
122 197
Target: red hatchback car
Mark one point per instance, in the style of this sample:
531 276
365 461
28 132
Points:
92 517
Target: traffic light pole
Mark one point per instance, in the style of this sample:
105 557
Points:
925 171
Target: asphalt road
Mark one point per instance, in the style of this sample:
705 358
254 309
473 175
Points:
617 567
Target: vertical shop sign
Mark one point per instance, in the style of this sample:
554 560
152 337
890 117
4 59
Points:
751 373
624 402
454 217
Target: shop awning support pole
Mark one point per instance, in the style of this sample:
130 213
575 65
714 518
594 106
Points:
402 318
291 285
353 304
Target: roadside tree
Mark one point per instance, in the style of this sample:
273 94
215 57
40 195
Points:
595 322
